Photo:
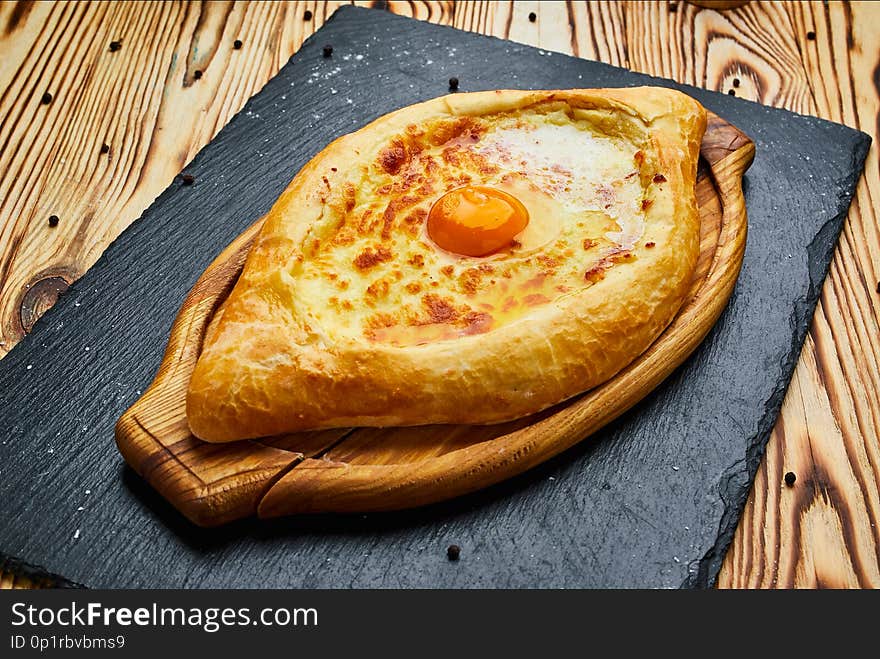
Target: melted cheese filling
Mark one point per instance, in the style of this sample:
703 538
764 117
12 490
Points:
370 269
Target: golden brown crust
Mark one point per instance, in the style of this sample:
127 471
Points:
270 366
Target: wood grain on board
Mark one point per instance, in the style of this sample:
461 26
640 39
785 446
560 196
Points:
177 77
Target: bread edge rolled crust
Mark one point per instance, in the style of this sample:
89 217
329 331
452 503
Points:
555 352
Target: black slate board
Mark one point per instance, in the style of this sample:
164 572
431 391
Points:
652 501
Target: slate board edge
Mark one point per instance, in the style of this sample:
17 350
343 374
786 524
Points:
20 568
661 82
734 495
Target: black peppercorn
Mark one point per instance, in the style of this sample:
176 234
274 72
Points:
188 179
736 82
532 17
453 84
197 74
115 45
237 44
328 50
811 35
453 552
307 15
53 220
46 99
732 92
105 148
790 478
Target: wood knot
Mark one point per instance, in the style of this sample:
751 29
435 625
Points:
39 297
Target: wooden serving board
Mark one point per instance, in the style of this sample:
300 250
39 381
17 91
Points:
372 469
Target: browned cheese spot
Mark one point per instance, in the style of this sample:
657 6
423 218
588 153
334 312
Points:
378 290
440 310
392 158
596 273
548 263
370 257
477 322
349 196
470 280
415 220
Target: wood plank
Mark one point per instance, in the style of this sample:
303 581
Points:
761 52
176 80
824 532
54 152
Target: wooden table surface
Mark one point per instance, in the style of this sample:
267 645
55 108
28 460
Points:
91 133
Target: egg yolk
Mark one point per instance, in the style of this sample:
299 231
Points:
476 220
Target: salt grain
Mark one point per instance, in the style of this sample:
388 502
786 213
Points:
76 535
